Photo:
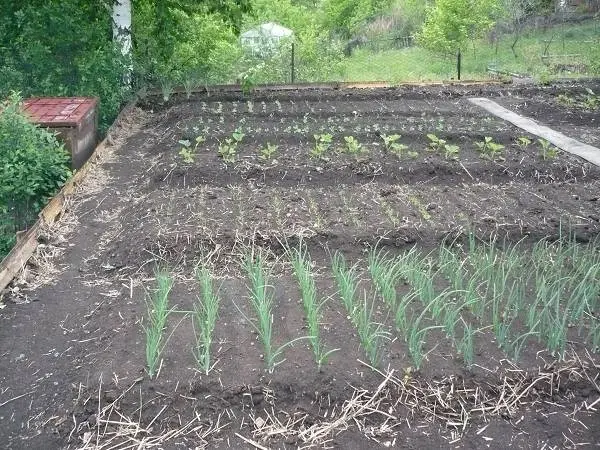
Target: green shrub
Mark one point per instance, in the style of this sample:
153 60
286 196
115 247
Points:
33 166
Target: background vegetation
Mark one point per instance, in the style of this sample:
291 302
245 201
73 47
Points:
65 48
33 165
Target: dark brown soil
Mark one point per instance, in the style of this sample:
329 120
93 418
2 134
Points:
75 345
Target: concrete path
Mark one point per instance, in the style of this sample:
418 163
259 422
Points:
585 151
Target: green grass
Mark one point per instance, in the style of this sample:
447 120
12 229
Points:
417 64
158 312
206 311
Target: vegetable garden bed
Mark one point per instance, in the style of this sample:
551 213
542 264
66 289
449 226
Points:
352 269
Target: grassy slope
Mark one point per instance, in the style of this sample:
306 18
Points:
417 64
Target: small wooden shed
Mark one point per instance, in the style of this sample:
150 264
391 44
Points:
73 119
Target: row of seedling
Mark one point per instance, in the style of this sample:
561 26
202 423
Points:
204 316
550 291
461 289
323 143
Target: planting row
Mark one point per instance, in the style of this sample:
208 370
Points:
548 293
325 147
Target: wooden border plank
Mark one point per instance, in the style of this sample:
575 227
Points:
335 85
25 247
570 145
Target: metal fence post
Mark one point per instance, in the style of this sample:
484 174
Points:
293 63
458 58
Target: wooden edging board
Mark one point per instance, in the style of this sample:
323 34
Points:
27 243
336 85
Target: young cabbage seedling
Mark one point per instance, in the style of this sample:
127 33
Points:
548 151
352 145
523 142
322 144
435 143
187 152
451 151
490 149
267 152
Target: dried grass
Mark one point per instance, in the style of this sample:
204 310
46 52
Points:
450 403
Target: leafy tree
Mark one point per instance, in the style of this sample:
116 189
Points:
61 48
161 26
345 17
516 12
450 24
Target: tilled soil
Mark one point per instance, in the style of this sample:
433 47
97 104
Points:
72 339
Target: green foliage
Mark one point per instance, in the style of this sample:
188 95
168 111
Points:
317 57
418 64
183 42
33 166
61 48
449 24
345 17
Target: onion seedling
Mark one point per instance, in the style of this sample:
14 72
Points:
158 312
205 318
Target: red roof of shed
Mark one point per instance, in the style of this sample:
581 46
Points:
58 111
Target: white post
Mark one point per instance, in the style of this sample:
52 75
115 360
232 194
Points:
121 17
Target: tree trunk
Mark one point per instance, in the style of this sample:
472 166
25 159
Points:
121 17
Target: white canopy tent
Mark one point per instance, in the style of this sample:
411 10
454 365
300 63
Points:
264 38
